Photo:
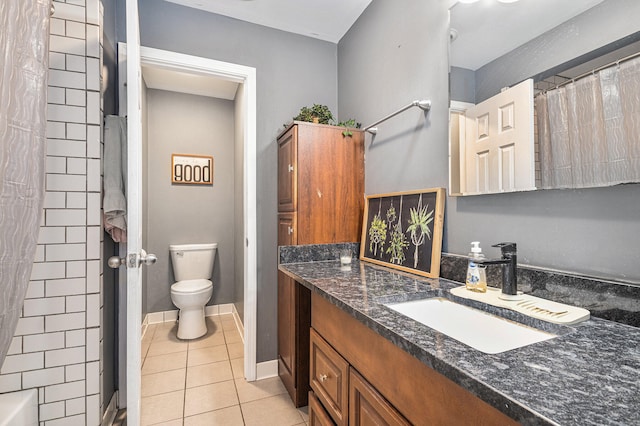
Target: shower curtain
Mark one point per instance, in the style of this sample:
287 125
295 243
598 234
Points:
589 130
24 40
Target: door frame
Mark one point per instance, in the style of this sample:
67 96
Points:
246 76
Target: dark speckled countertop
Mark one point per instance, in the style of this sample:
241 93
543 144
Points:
588 375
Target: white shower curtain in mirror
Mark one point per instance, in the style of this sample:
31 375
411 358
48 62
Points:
24 34
589 130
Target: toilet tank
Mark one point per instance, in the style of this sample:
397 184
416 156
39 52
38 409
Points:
192 261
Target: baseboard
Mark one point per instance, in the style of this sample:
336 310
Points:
172 315
266 369
239 325
111 411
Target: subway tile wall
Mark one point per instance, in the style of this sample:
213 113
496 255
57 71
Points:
57 347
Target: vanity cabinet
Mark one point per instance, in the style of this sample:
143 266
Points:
320 200
386 385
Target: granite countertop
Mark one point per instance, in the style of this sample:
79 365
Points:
588 375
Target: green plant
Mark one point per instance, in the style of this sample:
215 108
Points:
398 242
419 227
350 123
320 112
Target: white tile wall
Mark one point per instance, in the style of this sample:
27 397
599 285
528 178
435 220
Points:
57 346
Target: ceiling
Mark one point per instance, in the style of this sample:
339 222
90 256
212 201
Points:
501 27
327 20
194 84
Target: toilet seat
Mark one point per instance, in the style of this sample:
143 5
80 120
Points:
191 286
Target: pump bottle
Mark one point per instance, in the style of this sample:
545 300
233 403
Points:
476 272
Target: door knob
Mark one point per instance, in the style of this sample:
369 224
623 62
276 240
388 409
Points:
115 262
148 259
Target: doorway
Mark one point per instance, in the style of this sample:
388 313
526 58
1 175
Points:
212 71
193 68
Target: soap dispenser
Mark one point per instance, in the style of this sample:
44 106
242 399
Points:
476 272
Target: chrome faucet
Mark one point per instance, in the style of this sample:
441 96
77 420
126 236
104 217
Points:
509 262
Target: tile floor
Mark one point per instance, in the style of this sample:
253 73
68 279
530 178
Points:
200 382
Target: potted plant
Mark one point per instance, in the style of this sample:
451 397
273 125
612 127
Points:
316 114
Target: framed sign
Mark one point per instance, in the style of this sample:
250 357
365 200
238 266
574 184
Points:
403 230
192 169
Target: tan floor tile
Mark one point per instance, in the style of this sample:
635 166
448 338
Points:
237 366
156 364
230 416
209 339
167 331
251 391
164 382
207 355
209 373
236 350
229 326
273 411
304 413
148 335
177 422
163 347
161 408
210 397
232 337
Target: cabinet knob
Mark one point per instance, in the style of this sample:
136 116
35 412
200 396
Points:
290 168
323 377
289 230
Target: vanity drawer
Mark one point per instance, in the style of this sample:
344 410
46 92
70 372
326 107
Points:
318 416
329 375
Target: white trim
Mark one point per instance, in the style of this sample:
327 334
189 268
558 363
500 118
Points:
236 318
247 76
459 106
267 369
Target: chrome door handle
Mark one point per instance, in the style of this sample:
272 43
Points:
115 262
149 259
131 262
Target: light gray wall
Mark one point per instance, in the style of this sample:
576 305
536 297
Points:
390 57
605 23
239 244
462 84
187 214
292 71
385 61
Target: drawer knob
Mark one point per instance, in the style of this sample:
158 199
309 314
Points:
323 377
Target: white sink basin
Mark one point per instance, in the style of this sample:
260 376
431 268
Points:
480 330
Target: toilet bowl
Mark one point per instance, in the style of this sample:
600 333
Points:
193 266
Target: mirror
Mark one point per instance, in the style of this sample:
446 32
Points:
496 44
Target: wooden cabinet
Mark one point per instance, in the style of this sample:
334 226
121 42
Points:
329 376
320 200
387 386
368 407
317 414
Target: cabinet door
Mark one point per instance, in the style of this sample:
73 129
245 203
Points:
329 378
287 170
287 225
294 315
499 145
286 332
368 407
317 414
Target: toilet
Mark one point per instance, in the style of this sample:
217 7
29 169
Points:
192 268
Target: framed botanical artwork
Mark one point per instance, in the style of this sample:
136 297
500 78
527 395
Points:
403 230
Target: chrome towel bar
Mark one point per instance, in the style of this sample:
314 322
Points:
424 105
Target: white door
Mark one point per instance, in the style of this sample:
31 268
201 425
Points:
499 144
135 253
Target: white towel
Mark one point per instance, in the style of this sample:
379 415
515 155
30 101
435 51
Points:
115 166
